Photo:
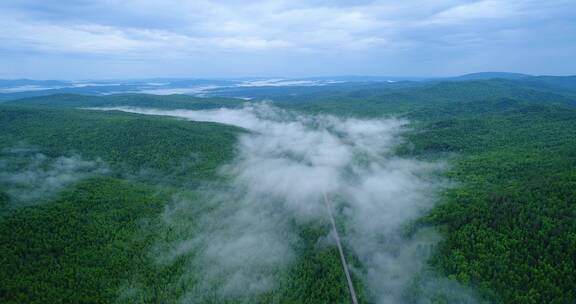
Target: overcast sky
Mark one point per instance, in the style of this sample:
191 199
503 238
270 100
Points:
72 39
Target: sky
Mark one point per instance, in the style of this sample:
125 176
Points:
106 39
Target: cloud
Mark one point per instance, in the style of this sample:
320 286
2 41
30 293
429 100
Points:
240 236
485 9
98 39
234 38
94 39
248 43
204 26
30 177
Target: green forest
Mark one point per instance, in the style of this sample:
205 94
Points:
508 223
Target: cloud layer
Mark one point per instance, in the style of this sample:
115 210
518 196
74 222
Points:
231 38
241 235
30 177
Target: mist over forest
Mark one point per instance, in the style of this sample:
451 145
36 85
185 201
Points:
372 152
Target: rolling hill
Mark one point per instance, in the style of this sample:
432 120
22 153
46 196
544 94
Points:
508 220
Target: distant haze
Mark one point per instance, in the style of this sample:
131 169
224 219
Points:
97 39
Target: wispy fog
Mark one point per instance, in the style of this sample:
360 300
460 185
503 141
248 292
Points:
241 235
30 176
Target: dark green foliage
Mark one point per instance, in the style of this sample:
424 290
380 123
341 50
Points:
511 224
93 244
4 200
78 249
133 144
377 102
85 246
130 100
317 276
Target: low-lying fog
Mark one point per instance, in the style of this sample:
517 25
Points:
282 168
31 177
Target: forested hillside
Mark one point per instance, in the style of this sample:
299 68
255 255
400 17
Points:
378 101
81 245
508 221
131 142
510 224
128 100
93 238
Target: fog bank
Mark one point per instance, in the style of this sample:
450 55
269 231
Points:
244 238
30 176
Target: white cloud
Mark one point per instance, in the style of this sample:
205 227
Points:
204 27
485 9
76 38
32 177
249 43
261 35
99 39
240 248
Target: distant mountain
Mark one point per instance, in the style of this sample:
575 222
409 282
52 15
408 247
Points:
567 83
129 100
270 88
490 75
465 77
28 82
359 78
